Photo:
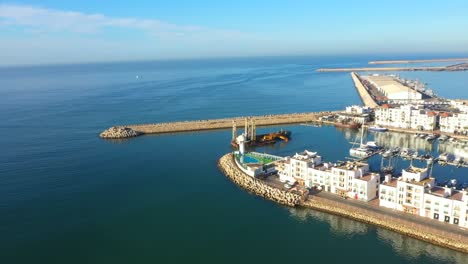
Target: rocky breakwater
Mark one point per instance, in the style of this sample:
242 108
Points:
256 186
119 132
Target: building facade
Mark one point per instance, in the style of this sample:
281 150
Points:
407 117
415 193
349 180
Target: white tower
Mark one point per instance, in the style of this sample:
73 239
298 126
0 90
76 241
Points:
241 143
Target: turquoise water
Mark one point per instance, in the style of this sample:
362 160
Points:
67 196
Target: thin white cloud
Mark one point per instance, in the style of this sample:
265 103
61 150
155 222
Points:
40 19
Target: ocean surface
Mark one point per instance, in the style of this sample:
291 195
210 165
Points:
67 196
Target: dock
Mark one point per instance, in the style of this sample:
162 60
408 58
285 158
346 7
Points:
363 92
213 124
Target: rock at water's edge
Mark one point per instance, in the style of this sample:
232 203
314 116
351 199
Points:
119 132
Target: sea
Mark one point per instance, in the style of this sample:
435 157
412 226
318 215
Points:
68 196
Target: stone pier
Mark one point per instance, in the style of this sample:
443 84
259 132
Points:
211 124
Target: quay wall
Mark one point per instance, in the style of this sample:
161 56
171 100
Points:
227 165
363 93
455 241
419 231
199 125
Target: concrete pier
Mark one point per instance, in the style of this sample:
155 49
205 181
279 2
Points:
363 93
199 125
364 213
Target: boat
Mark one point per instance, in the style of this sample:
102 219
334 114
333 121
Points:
446 157
266 139
431 137
364 150
372 145
360 152
351 124
458 160
407 153
422 135
378 129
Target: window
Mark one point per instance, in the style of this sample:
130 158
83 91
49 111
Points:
436 216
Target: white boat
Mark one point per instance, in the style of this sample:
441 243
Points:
360 152
372 145
378 129
406 152
431 137
447 157
363 150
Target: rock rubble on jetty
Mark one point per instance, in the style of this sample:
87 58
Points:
456 241
119 132
223 123
229 168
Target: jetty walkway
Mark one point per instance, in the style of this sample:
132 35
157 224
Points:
420 228
211 124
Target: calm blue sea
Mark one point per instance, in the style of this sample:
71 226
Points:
67 196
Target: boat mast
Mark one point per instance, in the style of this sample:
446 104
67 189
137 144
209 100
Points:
362 135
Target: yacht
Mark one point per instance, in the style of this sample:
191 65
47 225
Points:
431 137
364 150
378 129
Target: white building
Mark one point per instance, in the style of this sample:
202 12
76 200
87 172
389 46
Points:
406 116
455 123
351 179
414 192
358 110
391 88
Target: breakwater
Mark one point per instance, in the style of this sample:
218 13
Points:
389 69
417 61
363 92
256 186
390 221
199 125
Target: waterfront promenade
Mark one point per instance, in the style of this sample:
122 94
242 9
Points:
434 232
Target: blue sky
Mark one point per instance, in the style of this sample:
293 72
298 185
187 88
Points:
41 32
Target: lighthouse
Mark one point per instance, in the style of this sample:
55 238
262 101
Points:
241 143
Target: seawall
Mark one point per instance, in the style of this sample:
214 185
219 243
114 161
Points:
363 93
413 229
419 231
227 165
200 125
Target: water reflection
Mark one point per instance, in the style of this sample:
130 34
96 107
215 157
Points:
413 248
338 225
403 245
403 140
457 149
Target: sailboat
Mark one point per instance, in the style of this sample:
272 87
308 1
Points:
363 150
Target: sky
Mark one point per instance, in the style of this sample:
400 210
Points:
51 32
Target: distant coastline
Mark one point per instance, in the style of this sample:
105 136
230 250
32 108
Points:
417 61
